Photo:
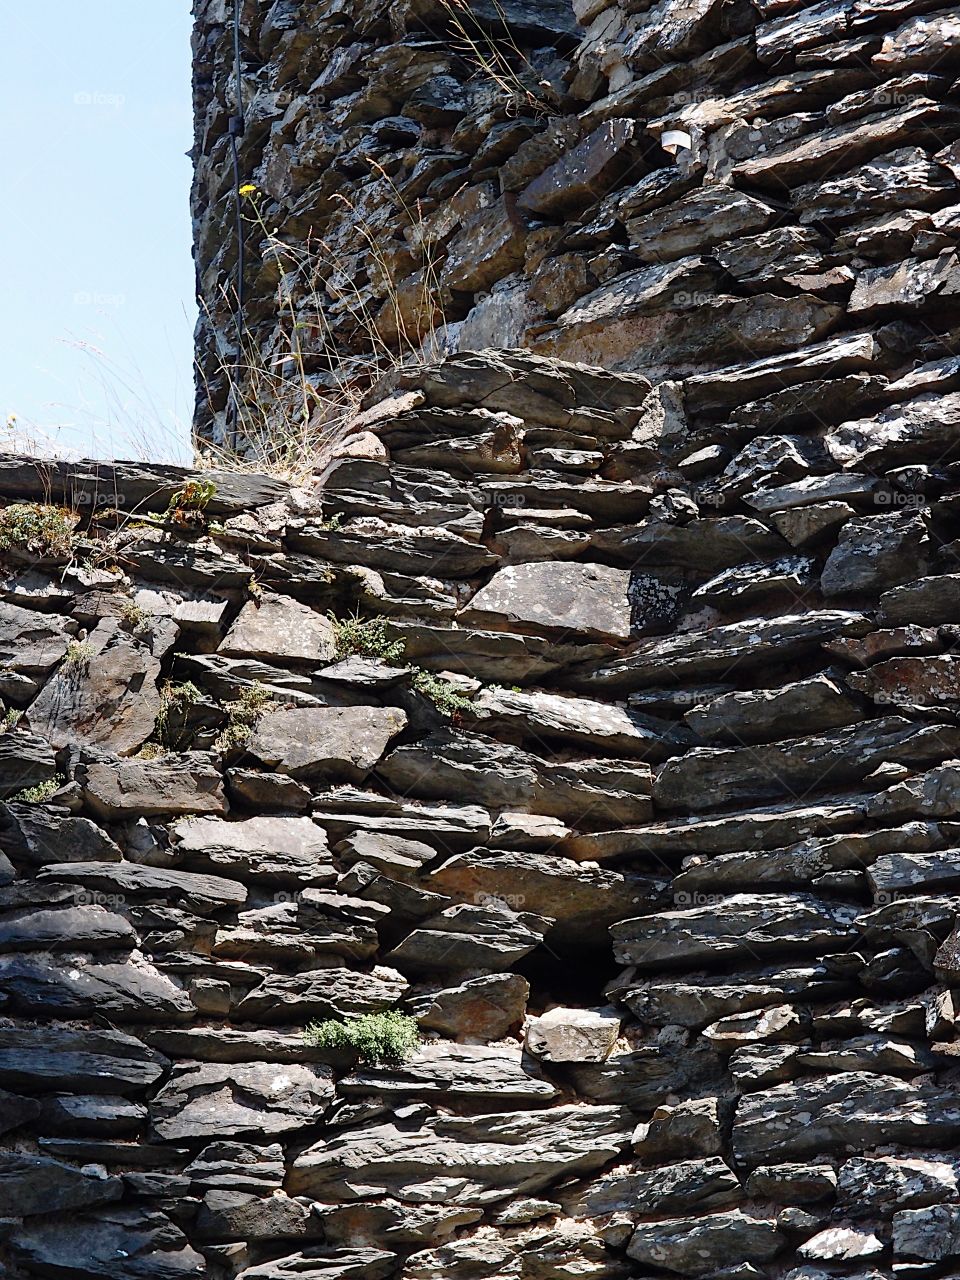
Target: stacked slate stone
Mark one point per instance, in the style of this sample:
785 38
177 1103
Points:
642 796
767 188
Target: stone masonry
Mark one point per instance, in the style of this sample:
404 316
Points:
596 703
641 795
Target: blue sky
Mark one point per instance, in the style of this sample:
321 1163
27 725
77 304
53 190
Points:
98 307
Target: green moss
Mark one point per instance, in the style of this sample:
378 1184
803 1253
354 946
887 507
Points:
39 528
380 1039
10 720
194 496
133 618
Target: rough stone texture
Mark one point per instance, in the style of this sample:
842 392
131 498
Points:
670 753
688 610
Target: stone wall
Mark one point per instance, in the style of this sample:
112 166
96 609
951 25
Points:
629 769
671 188
601 717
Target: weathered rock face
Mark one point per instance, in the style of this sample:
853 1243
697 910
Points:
749 198
649 820
602 716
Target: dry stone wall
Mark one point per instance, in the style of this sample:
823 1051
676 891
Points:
600 716
623 757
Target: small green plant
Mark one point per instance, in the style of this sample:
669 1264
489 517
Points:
10 720
242 718
195 495
175 699
367 638
76 661
379 1039
133 618
188 505
41 792
38 528
444 695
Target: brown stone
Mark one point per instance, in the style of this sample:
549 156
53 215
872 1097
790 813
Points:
584 174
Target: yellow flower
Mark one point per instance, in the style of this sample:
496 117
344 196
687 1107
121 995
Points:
248 189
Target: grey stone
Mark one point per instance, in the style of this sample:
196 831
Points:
738 646
319 1263
201 893
464 937
921 430
16 1111
562 599
690 1186
698 1246
840 1112
540 716
464 1160
60 1059
708 778
272 850
581 900
134 991
238 1215
26 761
39 836
496 775
88 928
573 1035
119 1243
322 993
91 1115
760 716
109 699
793 1184
876 553
927 601
31 645
877 1184
134 787
476 1010
742 925
931 1233
841 1244
457 1074
206 1100
279 629
33 1185
326 744
893 873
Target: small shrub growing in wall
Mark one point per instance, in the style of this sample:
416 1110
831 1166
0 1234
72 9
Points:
369 638
379 1039
444 695
39 529
366 639
40 793
242 718
76 661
